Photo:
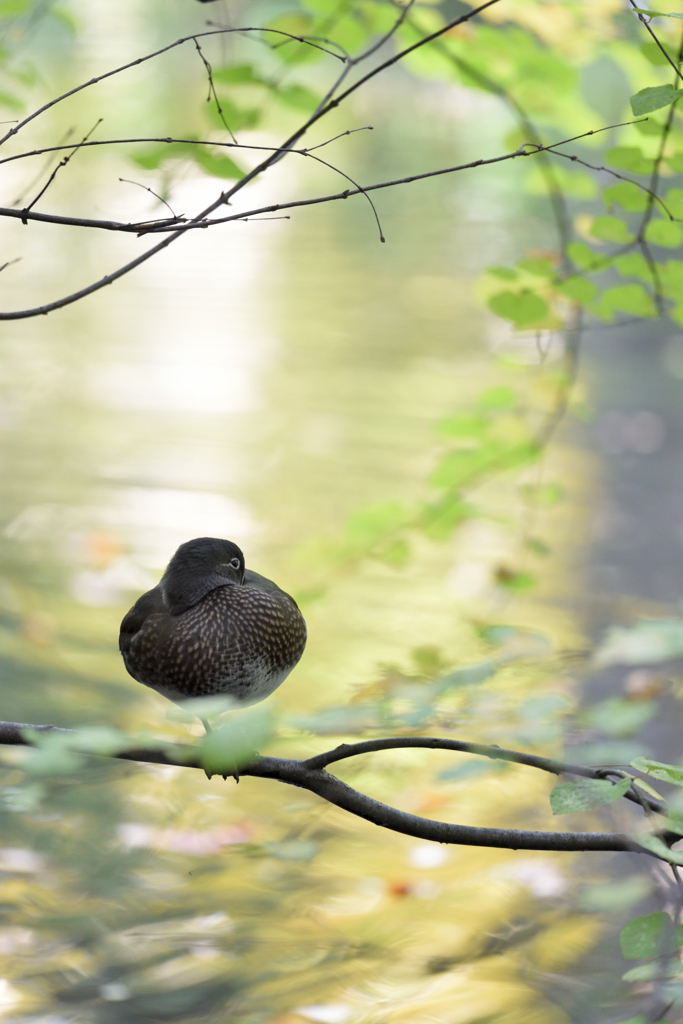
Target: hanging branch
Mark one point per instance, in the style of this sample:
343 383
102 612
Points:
310 774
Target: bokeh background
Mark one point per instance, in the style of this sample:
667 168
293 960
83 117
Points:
284 383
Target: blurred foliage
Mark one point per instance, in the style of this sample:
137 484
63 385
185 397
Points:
150 894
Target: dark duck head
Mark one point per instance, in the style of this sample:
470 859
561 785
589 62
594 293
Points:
212 627
197 568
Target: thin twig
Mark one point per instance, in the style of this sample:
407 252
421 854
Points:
168 140
62 163
642 18
150 56
273 208
152 192
212 91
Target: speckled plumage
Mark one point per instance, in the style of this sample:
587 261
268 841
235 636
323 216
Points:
211 627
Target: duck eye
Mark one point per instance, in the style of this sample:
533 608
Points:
235 563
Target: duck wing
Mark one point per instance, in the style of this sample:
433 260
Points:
151 603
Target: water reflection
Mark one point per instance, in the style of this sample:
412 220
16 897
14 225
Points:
261 384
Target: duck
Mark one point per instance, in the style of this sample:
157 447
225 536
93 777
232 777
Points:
212 627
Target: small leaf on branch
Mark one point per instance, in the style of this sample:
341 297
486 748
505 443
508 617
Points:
578 288
645 936
650 971
664 233
654 97
656 14
629 158
497 398
586 258
524 308
235 744
628 195
586 794
504 273
655 845
633 264
611 229
627 298
672 773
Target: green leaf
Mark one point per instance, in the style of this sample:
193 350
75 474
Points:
100 739
464 424
654 969
606 897
498 398
586 794
290 51
618 716
234 745
438 519
656 14
649 642
204 708
654 97
539 268
395 553
627 298
298 97
232 114
237 73
7 99
524 308
629 158
655 845
664 233
342 721
671 275
504 273
611 229
544 494
586 258
628 195
367 526
644 936
217 165
654 55
671 773
575 183
633 264
14 8
578 288
518 582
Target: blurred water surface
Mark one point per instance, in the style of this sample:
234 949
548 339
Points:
262 382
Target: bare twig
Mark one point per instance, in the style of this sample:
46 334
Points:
152 192
224 197
62 163
166 225
212 91
151 56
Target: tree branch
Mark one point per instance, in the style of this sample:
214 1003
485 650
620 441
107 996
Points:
224 197
169 225
311 775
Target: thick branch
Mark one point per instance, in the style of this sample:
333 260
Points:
311 775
